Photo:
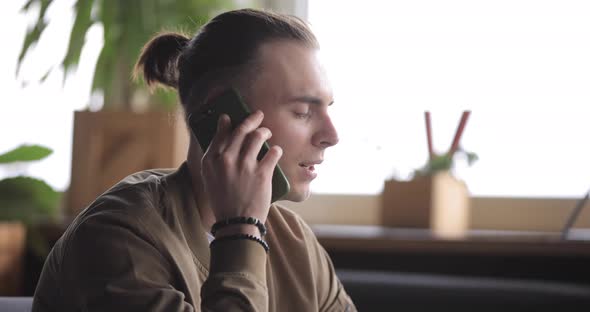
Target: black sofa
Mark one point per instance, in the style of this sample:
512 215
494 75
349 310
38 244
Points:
375 291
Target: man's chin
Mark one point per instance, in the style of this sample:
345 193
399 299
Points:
298 195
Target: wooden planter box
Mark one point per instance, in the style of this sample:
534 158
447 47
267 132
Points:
439 202
108 146
12 249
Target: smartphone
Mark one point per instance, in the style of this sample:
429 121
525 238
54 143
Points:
203 124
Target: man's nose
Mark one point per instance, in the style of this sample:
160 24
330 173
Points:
327 135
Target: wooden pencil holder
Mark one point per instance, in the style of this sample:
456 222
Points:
437 202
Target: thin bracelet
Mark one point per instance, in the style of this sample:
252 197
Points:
241 236
239 220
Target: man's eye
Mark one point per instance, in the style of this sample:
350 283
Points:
302 115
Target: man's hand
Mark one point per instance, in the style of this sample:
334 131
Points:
237 183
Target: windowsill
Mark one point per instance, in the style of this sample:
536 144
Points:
485 213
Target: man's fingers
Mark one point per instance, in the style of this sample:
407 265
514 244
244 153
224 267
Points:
248 125
218 142
253 143
270 160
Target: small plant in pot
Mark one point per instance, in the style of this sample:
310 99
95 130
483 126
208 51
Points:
433 199
24 203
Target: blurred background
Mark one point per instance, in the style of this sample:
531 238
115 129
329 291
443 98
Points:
522 68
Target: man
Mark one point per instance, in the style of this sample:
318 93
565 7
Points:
147 243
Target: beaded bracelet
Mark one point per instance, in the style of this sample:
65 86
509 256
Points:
241 236
239 220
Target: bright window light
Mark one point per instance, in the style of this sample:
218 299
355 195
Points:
521 67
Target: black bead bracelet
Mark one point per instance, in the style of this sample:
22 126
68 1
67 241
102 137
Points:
241 236
239 220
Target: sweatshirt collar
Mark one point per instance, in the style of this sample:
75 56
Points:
181 197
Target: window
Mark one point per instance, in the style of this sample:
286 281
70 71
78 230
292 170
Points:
521 67
35 113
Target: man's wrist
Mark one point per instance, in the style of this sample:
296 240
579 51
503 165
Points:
239 220
238 229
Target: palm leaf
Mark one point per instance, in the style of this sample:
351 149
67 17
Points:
82 23
27 199
33 34
127 26
25 153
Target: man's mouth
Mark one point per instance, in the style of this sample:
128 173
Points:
310 165
308 169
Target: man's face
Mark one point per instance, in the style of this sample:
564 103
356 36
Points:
291 88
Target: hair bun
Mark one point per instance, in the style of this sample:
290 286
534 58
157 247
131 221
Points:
159 58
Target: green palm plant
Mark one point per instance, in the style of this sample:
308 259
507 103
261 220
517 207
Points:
127 26
28 200
25 198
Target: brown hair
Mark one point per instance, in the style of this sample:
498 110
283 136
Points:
222 52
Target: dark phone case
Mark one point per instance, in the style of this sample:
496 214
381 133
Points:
203 123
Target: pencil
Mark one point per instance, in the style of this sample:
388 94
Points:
429 134
459 133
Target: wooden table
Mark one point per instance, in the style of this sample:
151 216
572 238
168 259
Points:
511 254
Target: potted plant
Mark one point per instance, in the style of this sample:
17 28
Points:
134 129
433 199
24 202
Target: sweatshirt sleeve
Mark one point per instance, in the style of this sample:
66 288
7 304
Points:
331 294
111 265
237 279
